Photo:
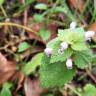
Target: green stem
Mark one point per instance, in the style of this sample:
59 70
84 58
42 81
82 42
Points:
71 88
3 11
17 25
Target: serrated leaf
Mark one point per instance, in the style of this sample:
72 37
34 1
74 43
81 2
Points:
89 90
23 46
54 75
82 59
61 57
45 34
70 35
79 46
31 66
41 6
54 43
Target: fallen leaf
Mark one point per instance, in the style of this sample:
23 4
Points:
7 69
92 27
19 77
32 87
53 29
78 4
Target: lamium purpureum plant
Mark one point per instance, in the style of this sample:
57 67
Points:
63 55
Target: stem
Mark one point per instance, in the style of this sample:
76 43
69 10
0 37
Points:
3 11
71 88
17 25
91 76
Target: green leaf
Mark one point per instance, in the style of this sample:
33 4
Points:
70 35
38 18
6 90
45 34
59 9
54 43
82 58
31 66
54 75
58 57
89 90
79 46
23 46
41 6
24 6
1 2
74 37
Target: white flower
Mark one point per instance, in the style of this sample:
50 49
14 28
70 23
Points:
69 63
73 25
64 45
48 51
89 34
60 51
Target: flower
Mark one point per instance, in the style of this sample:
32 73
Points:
69 63
64 45
89 34
73 25
48 51
60 51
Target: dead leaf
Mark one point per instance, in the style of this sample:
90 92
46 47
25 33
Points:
20 77
32 87
78 4
93 28
52 27
7 69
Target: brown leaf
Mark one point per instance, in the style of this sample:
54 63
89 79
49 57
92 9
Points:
7 69
53 29
93 28
20 77
78 4
32 87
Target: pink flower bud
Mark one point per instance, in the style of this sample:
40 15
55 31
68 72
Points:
89 34
69 63
48 51
73 25
64 45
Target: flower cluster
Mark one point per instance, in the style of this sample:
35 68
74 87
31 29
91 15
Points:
48 51
89 35
64 45
69 63
73 25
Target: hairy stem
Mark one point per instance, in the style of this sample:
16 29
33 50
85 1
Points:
17 25
72 89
